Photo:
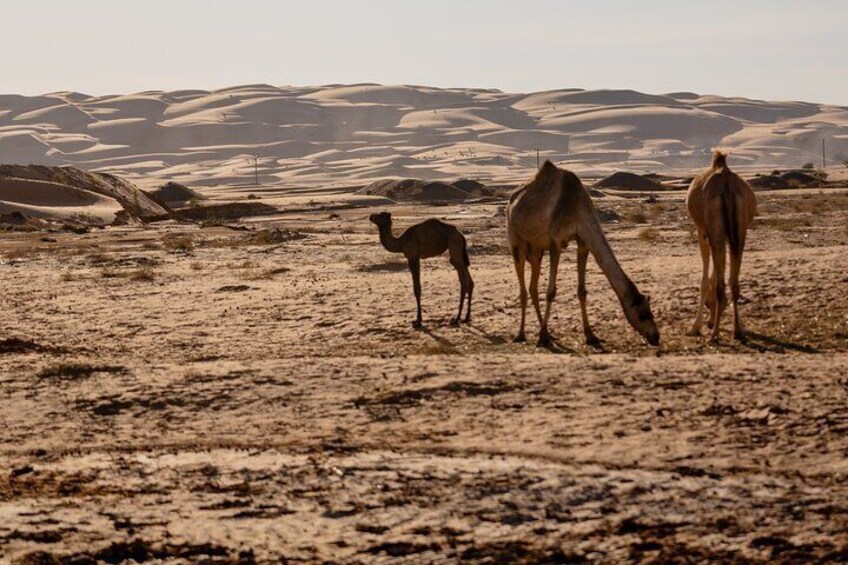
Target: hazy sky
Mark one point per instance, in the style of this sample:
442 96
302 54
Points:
777 49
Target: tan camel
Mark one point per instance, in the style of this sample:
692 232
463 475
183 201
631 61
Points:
422 241
545 215
723 206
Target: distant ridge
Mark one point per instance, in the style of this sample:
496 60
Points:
355 134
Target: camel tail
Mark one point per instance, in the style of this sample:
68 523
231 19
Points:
465 257
729 216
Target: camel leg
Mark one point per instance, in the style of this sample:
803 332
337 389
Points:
462 290
544 334
582 258
718 253
519 256
535 272
415 268
704 246
735 266
469 288
711 299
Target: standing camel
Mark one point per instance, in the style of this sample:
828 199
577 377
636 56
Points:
545 215
722 205
422 241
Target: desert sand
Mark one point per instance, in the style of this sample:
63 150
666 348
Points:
338 135
222 371
253 391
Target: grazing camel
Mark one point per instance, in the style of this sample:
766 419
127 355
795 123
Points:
422 241
545 215
722 205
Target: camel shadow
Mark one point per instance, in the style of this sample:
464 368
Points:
766 344
442 342
555 346
492 339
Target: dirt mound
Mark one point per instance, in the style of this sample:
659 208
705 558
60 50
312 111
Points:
174 193
473 187
770 182
130 197
628 181
802 179
416 190
227 211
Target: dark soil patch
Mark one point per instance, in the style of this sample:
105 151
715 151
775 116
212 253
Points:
76 371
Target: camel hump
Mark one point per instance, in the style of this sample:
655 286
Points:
547 172
719 159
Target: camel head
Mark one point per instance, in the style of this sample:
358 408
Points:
382 219
642 319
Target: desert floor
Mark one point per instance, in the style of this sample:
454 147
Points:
211 394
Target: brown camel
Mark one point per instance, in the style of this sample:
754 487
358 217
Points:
422 241
545 215
722 205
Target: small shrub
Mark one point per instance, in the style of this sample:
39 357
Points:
808 165
178 243
649 234
19 253
145 274
638 217
267 274
845 162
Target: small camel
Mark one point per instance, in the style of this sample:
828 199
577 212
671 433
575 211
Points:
422 241
545 215
722 206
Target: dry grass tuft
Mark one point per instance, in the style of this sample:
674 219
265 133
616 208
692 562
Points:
19 253
267 274
649 234
638 216
177 243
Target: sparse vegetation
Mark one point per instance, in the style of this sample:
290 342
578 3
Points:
808 166
786 223
266 274
178 243
19 253
649 234
144 274
272 236
638 216
77 370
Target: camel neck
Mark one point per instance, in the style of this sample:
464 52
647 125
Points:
389 241
595 240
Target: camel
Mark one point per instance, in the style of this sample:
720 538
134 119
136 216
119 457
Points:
545 215
422 241
722 206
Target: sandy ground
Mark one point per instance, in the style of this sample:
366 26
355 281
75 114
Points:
213 395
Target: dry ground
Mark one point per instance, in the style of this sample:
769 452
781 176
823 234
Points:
188 394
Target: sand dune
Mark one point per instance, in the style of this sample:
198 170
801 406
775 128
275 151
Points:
335 134
41 199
